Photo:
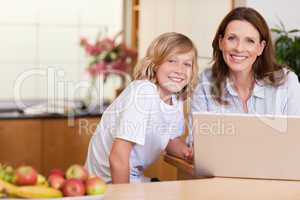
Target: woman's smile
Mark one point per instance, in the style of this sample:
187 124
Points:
237 58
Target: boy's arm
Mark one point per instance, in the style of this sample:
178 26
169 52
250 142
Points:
178 148
119 160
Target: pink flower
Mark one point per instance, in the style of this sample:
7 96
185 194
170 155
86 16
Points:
98 68
101 67
107 56
105 44
92 71
120 65
92 50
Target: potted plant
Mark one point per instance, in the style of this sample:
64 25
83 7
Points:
287 47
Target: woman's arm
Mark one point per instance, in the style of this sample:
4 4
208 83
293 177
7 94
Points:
119 160
178 148
293 93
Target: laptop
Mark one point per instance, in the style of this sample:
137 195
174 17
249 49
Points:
246 146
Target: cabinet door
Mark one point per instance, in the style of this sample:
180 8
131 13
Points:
65 144
162 170
20 142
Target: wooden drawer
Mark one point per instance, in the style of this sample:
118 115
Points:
20 142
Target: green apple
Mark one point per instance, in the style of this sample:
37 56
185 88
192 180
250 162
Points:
2 174
94 186
77 172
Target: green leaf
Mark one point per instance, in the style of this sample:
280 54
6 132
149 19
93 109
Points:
294 31
282 25
275 30
287 47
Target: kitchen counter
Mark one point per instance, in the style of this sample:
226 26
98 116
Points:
212 188
37 109
75 114
220 187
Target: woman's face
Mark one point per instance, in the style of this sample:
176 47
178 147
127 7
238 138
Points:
175 73
240 46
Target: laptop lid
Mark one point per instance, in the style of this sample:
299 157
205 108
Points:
247 146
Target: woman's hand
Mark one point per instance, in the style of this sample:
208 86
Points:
119 160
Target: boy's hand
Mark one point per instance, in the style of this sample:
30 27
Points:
177 147
188 153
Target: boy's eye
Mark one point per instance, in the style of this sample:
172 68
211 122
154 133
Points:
171 61
188 64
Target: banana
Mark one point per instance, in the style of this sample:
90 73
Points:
2 195
37 192
42 181
8 187
30 191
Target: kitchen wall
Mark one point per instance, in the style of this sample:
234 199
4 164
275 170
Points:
38 34
274 10
198 19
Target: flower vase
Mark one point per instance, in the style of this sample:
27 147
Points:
89 96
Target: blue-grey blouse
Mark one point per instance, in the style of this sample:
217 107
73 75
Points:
265 99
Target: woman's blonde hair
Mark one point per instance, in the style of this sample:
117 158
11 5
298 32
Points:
159 51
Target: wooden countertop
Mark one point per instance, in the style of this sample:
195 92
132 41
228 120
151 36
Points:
213 188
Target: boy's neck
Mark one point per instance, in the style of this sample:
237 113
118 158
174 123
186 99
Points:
167 98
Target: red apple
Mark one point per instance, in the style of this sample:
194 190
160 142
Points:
77 172
56 181
57 172
94 185
26 175
73 187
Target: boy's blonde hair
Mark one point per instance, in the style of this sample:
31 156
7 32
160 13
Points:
159 51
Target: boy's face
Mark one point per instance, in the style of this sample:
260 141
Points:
174 73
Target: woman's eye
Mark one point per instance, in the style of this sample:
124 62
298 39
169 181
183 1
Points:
251 41
230 38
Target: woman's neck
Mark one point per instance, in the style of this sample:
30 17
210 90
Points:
243 84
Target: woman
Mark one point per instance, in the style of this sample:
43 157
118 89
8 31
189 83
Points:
245 77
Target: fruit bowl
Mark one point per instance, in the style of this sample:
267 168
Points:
90 197
25 182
